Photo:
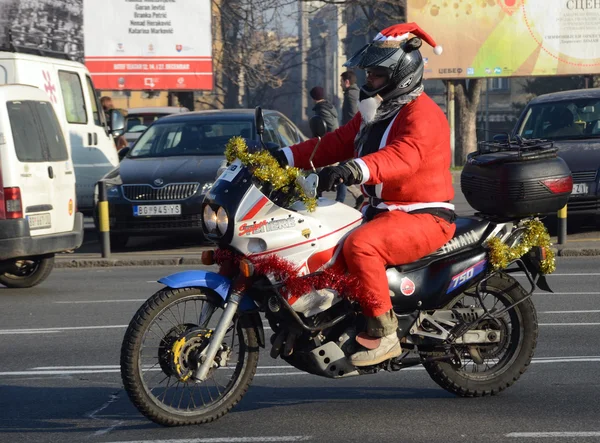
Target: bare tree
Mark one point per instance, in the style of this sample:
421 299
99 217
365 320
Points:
252 51
468 96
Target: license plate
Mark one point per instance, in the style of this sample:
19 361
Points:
39 221
580 189
156 210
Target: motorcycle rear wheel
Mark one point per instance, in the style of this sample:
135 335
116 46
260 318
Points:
150 372
508 360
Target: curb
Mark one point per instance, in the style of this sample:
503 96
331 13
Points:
189 261
578 252
121 262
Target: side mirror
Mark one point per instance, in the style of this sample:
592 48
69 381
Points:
500 138
259 121
317 126
117 122
123 152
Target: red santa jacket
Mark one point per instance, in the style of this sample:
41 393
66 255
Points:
411 169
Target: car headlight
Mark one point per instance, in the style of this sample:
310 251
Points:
206 187
222 220
210 219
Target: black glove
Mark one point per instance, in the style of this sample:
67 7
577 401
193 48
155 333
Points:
348 173
280 157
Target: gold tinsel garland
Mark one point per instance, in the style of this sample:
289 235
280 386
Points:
267 169
535 234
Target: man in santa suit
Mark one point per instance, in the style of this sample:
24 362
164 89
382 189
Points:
398 148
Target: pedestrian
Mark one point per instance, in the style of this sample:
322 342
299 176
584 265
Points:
328 113
398 147
107 106
349 109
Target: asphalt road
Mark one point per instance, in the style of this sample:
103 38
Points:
60 381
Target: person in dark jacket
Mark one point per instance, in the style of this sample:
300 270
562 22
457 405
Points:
349 109
324 109
351 94
328 113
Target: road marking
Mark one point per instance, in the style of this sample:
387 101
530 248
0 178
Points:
569 324
99 301
552 434
566 293
109 369
574 274
570 312
283 438
51 330
85 328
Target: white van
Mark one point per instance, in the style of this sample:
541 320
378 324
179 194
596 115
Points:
71 91
38 215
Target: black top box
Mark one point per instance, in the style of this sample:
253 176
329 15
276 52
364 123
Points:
516 178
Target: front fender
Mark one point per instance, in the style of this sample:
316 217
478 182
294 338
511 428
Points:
205 279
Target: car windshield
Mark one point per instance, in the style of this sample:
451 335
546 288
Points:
564 120
200 137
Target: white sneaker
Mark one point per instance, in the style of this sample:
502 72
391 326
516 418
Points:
388 347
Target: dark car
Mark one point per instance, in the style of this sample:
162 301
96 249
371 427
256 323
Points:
571 119
158 187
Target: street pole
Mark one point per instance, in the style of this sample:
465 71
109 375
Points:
103 220
487 108
562 226
451 119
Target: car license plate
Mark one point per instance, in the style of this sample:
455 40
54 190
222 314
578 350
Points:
156 210
39 221
580 189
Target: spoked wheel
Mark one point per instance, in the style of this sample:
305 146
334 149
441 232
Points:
27 273
164 345
487 369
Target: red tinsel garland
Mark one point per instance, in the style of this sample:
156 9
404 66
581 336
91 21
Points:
295 286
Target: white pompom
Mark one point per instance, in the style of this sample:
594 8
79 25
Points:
438 50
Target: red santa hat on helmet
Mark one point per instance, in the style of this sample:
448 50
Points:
396 34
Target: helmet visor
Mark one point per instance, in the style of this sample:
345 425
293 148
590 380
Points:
371 55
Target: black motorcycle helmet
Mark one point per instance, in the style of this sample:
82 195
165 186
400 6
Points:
392 52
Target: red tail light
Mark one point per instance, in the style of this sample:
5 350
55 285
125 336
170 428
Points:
12 203
559 185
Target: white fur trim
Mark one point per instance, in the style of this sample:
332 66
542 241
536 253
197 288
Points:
365 170
288 155
438 50
368 108
415 206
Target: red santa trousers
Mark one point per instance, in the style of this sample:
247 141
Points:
391 238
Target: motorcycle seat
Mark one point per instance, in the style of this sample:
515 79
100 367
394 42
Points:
469 233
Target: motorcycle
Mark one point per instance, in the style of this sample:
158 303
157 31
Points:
192 349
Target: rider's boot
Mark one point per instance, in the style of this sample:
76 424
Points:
381 341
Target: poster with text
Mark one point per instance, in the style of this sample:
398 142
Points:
502 38
149 44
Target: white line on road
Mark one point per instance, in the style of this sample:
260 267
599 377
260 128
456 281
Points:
99 301
569 324
570 312
566 293
109 369
66 328
553 434
283 438
85 328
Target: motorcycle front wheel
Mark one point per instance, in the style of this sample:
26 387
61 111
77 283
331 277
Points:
164 344
490 368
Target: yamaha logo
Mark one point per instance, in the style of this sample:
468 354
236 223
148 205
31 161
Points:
158 182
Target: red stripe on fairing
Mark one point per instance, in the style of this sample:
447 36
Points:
320 258
257 207
307 241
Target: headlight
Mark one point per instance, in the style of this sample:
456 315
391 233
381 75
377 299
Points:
210 219
222 220
206 187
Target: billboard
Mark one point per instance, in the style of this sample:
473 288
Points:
149 44
503 38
